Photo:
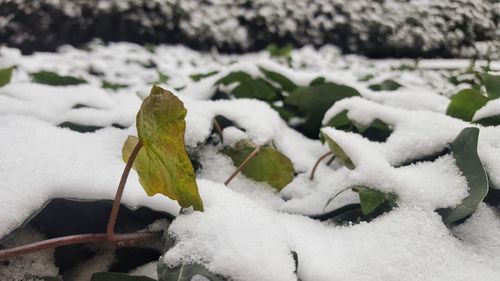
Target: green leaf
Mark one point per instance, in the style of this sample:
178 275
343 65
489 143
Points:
269 165
257 89
54 79
317 81
370 199
339 152
113 86
377 130
5 75
492 85
464 150
285 83
162 78
233 77
465 103
315 100
340 121
366 77
185 272
386 85
276 51
199 76
163 164
79 127
493 120
116 276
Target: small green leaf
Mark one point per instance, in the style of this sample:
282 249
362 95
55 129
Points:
277 51
465 103
366 77
269 165
163 164
285 83
162 78
79 127
5 75
340 121
370 199
257 89
315 100
492 85
464 150
489 121
386 85
199 76
185 272
233 77
317 81
339 152
54 79
113 86
117 276
377 130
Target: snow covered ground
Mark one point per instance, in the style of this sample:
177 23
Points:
248 231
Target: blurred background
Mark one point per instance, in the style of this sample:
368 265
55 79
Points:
377 29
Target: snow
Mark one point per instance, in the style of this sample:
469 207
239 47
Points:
248 230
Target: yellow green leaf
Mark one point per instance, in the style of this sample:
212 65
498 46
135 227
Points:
163 164
269 165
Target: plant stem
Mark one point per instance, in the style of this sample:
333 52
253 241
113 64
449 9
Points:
110 230
311 177
243 165
218 129
330 161
120 239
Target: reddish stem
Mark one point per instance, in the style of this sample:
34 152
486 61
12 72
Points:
243 165
120 239
311 177
109 236
110 230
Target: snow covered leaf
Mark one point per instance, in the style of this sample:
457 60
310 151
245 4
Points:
370 199
277 51
285 83
377 130
54 79
386 85
465 103
233 77
255 88
248 87
464 150
339 152
5 75
317 81
269 165
163 164
117 276
315 100
113 86
492 85
185 272
198 76
489 121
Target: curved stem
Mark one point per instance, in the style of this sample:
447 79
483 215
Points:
120 239
110 230
311 177
243 165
